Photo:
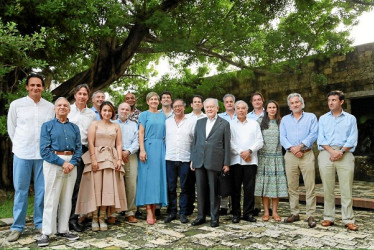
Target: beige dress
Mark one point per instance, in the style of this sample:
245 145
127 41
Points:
106 186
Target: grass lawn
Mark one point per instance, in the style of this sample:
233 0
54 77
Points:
6 206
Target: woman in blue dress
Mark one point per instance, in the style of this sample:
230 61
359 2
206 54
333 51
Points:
151 187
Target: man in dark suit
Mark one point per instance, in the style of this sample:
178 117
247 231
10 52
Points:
210 155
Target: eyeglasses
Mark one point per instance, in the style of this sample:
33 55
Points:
178 106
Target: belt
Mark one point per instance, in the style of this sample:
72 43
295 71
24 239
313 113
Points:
305 150
63 152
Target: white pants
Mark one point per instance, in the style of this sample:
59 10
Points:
59 189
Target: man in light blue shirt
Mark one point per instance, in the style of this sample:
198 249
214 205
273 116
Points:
337 140
130 146
257 101
98 97
298 132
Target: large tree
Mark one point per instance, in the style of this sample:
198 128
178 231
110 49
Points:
101 42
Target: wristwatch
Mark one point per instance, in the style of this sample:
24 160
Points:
250 151
342 150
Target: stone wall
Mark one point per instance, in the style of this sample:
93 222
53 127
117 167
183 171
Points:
352 73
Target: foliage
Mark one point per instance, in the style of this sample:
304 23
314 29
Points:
6 205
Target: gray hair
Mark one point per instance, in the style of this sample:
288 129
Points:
151 94
295 95
211 99
184 104
229 95
61 98
124 103
97 92
241 101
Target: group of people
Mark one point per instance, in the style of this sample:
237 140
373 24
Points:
92 162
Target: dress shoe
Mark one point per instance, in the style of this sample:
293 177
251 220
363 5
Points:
351 226
292 218
214 223
223 211
111 220
256 211
183 218
249 218
197 222
170 218
138 213
73 225
235 219
157 212
132 219
311 222
327 223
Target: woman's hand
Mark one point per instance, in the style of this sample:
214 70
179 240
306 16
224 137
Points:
119 164
94 165
143 156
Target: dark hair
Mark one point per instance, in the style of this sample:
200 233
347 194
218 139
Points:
77 88
338 93
166 93
111 107
184 104
265 121
198 96
31 75
257 93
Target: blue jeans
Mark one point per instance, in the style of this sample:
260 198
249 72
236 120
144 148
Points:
173 170
22 172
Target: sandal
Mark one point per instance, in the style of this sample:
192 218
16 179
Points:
277 218
265 217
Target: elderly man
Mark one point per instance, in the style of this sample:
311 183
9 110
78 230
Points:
25 117
82 116
246 140
130 147
131 100
228 115
337 140
210 155
298 132
166 101
98 97
61 149
178 140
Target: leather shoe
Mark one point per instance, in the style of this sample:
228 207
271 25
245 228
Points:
73 225
170 218
183 218
197 222
235 219
311 222
256 211
327 223
132 219
250 218
292 218
214 223
351 226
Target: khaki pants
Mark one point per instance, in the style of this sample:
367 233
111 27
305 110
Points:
131 175
294 166
345 170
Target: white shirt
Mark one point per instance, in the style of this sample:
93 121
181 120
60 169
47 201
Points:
196 117
25 119
245 135
178 139
82 119
209 125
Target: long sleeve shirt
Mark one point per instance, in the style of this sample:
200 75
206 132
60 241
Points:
244 136
130 139
82 119
179 138
293 132
25 118
252 115
57 136
227 117
96 113
340 131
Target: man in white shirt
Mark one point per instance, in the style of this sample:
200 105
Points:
246 140
82 116
166 101
197 106
98 97
130 147
178 141
25 118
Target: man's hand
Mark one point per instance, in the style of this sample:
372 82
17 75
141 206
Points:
226 169
295 149
125 156
246 155
335 155
67 167
192 168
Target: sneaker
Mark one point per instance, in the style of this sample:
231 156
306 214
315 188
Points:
13 236
68 236
43 241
